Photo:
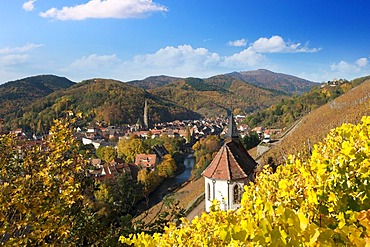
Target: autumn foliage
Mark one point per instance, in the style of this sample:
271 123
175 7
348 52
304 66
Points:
41 196
323 200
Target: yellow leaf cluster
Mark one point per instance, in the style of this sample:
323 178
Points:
40 189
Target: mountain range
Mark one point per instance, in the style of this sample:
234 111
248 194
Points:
261 78
36 100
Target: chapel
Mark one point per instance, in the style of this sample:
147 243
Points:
228 173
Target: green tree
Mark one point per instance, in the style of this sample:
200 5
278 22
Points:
129 148
204 150
251 140
149 179
115 205
167 168
106 153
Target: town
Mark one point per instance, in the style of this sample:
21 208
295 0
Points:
144 148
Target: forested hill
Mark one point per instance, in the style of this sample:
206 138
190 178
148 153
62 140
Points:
217 95
109 101
153 81
17 94
278 81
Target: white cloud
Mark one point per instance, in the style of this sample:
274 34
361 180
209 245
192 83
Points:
19 49
9 66
238 43
95 62
276 44
105 9
182 60
182 55
348 70
29 5
343 66
341 69
16 55
244 59
362 62
13 59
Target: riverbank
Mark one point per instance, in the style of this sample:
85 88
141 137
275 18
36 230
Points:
186 195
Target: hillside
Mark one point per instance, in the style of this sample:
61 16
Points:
287 111
347 108
216 95
17 94
278 81
153 81
245 91
108 101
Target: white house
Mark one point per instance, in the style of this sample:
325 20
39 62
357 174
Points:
228 173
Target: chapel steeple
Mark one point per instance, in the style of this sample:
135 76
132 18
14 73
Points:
232 132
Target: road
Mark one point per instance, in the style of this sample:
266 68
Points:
197 211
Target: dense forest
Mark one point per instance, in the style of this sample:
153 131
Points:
107 101
216 95
17 94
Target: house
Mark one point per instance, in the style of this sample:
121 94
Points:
18 132
120 166
146 160
160 151
109 171
96 163
228 173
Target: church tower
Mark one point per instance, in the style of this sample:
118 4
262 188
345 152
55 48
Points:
146 116
232 132
228 173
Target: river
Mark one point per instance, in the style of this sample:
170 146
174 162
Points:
171 183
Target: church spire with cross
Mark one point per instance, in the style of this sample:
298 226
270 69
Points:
232 132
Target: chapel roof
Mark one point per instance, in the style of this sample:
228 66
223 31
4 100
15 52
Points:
232 162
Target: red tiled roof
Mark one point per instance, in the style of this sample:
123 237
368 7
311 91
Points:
147 160
230 163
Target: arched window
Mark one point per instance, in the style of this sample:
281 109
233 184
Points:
208 191
237 194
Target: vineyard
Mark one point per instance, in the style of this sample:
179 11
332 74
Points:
347 108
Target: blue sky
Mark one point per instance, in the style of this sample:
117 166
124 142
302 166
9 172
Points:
132 39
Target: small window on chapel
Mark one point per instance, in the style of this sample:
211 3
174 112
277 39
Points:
237 194
208 191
